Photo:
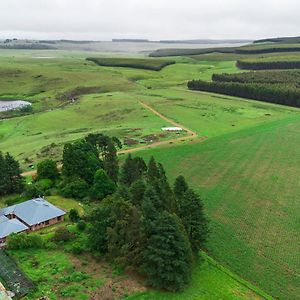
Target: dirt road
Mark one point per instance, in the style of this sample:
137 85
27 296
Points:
191 135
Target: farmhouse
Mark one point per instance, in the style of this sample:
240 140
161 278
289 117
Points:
28 216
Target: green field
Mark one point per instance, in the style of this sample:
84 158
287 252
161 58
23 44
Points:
246 171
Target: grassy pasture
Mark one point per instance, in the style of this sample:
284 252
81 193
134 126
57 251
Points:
209 282
246 172
248 181
136 63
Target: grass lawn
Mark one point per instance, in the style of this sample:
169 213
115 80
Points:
210 281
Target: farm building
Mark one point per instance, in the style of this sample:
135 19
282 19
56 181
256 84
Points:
28 216
172 129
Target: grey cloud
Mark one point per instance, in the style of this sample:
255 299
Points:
153 19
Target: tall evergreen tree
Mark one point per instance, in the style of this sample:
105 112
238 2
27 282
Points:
110 162
180 186
137 192
153 171
168 256
15 180
193 218
4 178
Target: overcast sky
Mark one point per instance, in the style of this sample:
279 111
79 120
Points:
152 19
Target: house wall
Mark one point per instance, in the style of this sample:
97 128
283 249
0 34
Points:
46 223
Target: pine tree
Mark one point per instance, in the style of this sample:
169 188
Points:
193 218
123 231
168 256
137 192
126 176
180 186
4 178
110 162
15 183
153 171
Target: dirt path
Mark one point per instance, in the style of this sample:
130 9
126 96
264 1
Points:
191 135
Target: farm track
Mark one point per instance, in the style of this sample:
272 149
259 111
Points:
191 135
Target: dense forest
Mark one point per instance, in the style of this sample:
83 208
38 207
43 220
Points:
268 65
275 93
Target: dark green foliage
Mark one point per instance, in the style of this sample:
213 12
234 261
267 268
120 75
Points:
168 256
180 186
153 171
285 94
191 212
81 225
102 186
24 241
107 149
33 191
76 188
137 192
138 63
62 234
47 169
81 159
11 180
100 220
132 170
268 65
74 215
123 235
110 162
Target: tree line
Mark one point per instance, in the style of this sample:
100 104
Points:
288 94
268 65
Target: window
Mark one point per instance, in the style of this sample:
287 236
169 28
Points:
47 222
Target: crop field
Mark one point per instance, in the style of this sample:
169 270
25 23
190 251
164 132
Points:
136 63
246 170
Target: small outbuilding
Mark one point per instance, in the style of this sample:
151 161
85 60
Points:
172 129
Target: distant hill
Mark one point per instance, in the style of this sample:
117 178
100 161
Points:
286 40
205 41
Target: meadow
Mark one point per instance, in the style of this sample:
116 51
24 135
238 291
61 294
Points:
246 171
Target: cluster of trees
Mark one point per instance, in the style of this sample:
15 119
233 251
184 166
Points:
288 94
277 76
149 225
261 49
137 63
11 180
268 65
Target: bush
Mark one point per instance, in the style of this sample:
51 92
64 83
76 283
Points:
77 248
77 189
74 215
33 191
62 234
24 241
47 169
81 225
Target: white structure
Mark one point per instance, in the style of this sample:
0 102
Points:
172 129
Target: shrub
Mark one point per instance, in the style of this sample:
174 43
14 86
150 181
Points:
77 189
24 241
81 225
74 215
62 234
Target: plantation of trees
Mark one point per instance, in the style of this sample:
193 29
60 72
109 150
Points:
281 87
268 65
137 63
